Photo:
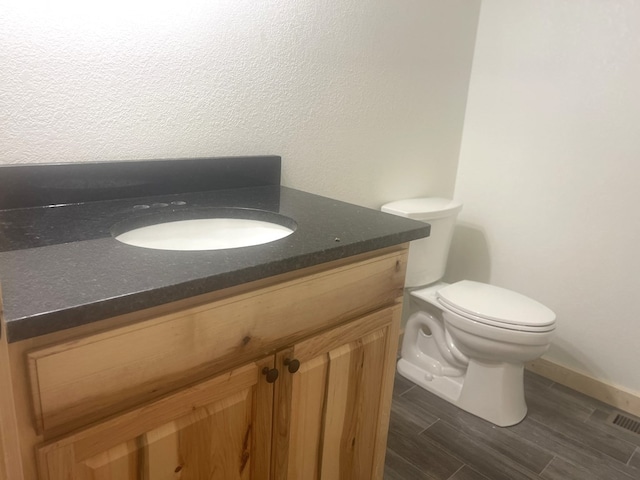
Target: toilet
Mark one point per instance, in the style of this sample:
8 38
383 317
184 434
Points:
466 342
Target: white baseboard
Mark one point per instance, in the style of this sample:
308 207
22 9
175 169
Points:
610 394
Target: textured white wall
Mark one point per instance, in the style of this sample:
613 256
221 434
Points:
364 100
549 172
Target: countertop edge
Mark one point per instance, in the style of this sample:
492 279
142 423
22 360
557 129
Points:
20 329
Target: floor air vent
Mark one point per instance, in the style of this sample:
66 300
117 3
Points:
625 422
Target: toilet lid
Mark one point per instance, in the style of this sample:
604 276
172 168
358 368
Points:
495 305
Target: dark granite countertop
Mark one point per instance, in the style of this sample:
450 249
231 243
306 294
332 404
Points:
60 266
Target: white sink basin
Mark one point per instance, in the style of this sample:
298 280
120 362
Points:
205 234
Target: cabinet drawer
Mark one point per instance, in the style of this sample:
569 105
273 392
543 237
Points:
84 380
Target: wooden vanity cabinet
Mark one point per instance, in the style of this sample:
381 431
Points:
191 394
218 429
332 415
331 411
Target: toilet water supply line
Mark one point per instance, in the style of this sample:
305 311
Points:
446 347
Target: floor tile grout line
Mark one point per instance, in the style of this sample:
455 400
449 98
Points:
454 473
473 430
586 447
590 415
522 438
407 390
547 465
428 426
475 467
593 410
599 404
552 426
576 465
409 462
568 438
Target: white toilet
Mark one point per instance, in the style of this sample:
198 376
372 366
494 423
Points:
466 342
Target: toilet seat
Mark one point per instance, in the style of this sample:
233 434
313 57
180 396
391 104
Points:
495 306
491 323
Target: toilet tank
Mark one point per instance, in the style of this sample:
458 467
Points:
428 256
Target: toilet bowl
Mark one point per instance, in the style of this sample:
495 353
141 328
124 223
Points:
467 341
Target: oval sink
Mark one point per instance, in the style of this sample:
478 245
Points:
220 229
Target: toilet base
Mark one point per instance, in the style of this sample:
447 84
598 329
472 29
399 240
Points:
448 388
494 392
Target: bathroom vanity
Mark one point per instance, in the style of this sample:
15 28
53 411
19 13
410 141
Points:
273 361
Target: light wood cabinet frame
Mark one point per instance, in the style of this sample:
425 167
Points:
91 377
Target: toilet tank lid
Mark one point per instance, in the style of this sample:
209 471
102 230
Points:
423 208
495 303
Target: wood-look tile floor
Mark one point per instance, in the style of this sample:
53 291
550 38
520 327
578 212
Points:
565 436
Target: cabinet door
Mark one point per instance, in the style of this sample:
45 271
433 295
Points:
219 429
332 415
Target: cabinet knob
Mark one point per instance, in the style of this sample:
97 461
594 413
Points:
271 374
293 365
